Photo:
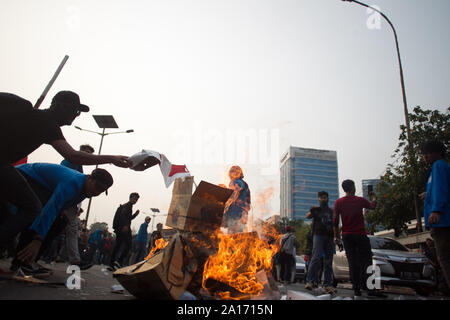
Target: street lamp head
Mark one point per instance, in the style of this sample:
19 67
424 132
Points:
130 130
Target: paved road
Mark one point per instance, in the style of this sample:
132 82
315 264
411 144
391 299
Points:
97 282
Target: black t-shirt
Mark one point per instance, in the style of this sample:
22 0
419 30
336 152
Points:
23 129
322 221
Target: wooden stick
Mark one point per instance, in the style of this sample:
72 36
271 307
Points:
52 80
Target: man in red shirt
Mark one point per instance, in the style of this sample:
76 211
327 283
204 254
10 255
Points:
354 235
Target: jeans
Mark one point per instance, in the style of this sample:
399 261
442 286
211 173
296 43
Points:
16 190
73 253
121 248
287 262
359 256
441 237
325 245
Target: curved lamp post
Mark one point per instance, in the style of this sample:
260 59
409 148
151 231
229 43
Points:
405 107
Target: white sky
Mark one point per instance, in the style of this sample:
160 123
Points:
187 75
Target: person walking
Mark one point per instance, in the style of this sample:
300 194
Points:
437 202
354 236
122 228
23 129
323 244
141 241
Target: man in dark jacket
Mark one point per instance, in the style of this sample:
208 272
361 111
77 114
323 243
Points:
122 229
23 129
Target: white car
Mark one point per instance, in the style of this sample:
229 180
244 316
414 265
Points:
398 266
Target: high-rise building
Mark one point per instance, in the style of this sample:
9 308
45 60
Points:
367 184
303 173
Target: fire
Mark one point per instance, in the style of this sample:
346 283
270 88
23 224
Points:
239 257
159 244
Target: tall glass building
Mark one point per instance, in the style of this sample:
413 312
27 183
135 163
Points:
365 186
303 173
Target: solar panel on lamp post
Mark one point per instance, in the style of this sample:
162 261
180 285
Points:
103 122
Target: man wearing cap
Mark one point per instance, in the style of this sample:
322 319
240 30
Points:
23 129
57 188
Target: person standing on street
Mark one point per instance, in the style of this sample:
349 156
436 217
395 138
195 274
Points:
238 205
71 231
322 244
141 241
287 255
437 202
354 235
122 229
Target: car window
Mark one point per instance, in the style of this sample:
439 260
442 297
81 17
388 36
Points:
299 259
386 244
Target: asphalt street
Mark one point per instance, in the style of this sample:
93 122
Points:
97 284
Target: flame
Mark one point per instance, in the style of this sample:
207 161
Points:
159 244
239 257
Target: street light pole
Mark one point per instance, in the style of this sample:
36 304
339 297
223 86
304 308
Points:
102 134
405 109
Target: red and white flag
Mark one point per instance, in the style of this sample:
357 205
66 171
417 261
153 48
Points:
148 158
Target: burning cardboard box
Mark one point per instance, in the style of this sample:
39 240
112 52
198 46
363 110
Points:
199 211
163 276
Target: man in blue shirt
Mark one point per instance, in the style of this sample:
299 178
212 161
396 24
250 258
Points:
57 188
141 241
24 129
236 209
437 202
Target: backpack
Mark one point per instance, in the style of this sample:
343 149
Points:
283 242
117 219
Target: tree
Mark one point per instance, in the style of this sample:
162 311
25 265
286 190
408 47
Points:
395 202
99 225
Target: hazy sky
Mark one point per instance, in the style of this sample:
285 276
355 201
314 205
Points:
194 78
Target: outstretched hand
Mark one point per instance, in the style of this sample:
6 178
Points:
121 161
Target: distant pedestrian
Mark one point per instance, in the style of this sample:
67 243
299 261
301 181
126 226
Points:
238 205
323 244
141 241
287 255
437 202
94 242
354 235
157 234
122 229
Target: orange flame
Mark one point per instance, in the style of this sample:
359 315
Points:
239 258
159 244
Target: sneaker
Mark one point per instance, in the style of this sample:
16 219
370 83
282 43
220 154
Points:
376 294
309 286
329 290
33 271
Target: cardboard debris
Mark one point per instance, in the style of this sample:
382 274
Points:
297 295
164 276
203 210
